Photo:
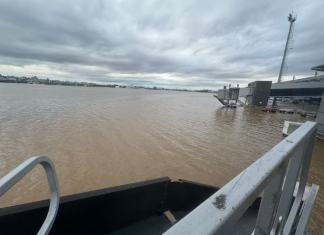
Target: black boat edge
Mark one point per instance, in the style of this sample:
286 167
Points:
136 208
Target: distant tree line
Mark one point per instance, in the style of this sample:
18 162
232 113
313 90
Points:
47 81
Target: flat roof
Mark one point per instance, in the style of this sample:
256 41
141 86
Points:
319 68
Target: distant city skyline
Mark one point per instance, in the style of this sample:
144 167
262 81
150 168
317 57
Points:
173 44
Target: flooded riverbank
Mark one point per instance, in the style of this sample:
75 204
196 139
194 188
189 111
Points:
102 137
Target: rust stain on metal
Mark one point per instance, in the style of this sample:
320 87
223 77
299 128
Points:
261 231
281 166
220 202
274 198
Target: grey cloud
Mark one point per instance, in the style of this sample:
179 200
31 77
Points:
207 43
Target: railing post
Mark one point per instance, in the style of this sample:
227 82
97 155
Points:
269 203
223 209
307 211
302 184
19 172
289 184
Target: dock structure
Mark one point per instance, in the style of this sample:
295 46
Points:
226 96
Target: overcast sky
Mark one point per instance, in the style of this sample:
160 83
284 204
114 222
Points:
169 43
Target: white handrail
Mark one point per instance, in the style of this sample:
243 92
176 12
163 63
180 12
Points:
19 172
223 209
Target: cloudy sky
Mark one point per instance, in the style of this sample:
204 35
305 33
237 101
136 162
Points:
169 43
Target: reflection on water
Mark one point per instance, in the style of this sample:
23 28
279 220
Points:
101 137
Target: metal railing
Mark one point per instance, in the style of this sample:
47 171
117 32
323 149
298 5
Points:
275 174
15 175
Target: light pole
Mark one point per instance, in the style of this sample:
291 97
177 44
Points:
291 19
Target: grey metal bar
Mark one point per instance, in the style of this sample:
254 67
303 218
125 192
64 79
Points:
307 211
278 227
227 205
289 185
269 204
19 172
302 184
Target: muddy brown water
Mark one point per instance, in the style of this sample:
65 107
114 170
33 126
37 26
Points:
103 137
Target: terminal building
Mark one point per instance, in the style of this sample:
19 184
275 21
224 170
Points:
320 112
258 93
309 87
306 87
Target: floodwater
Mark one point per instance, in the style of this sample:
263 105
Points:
103 137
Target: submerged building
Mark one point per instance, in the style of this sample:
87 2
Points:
256 93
